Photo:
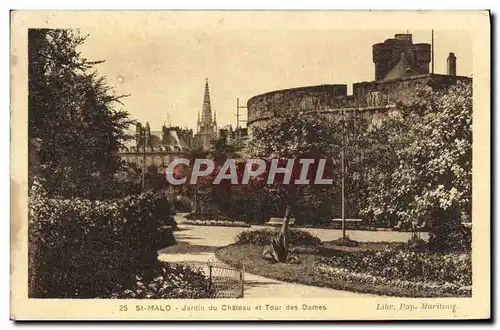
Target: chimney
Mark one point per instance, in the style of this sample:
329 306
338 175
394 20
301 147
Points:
451 65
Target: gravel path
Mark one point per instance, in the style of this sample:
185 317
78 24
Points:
197 244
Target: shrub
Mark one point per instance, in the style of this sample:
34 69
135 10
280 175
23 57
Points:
415 288
345 242
399 264
416 244
167 282
263 237
89 249
182 204
450 236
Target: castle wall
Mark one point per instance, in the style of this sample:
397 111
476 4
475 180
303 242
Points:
372 98
380 93
323 97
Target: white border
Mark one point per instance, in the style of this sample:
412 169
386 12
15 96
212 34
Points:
186 4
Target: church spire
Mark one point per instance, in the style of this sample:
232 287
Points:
198 122
207 108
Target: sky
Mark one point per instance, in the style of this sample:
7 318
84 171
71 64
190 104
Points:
162 60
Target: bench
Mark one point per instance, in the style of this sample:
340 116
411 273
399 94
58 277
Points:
347 220
414 226
355 222
279 221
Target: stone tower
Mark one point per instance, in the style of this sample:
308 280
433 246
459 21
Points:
207 126
399 57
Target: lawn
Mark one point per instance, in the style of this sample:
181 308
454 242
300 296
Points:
307 273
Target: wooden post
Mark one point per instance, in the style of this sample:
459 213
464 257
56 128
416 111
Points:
143 160
342 156
209 277
242 282
432 51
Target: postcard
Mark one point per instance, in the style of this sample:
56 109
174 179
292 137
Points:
250 165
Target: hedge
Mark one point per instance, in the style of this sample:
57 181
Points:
94 249
263 237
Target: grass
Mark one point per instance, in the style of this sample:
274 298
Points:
304 273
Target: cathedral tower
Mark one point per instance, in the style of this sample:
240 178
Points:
207 126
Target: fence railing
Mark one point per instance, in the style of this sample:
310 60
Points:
226 281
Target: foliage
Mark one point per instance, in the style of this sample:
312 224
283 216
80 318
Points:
425 171
220 196
280 251
182 203
416 244
400 264
155 179
279 247
312 273
294 135
449 237
345 241
263 237
412 288
90 249
298 134
170 281
74 127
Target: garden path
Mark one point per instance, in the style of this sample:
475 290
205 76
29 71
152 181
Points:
197 244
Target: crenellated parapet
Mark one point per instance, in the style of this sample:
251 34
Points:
399 56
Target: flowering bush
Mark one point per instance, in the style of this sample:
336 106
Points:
450 272
263 237
93 249
203 217
169 281
432 288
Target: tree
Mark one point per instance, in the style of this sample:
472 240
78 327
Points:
74 128
429 150
295 135
155 179
223 195
187 189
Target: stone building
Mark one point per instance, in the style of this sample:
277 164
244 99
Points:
156 148
400 68
233 136
159 148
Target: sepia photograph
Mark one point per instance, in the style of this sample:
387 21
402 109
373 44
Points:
250 165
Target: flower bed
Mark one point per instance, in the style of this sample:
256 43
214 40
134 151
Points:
206 217
313 270
437 287
262 237
94 249
443 273
220 223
